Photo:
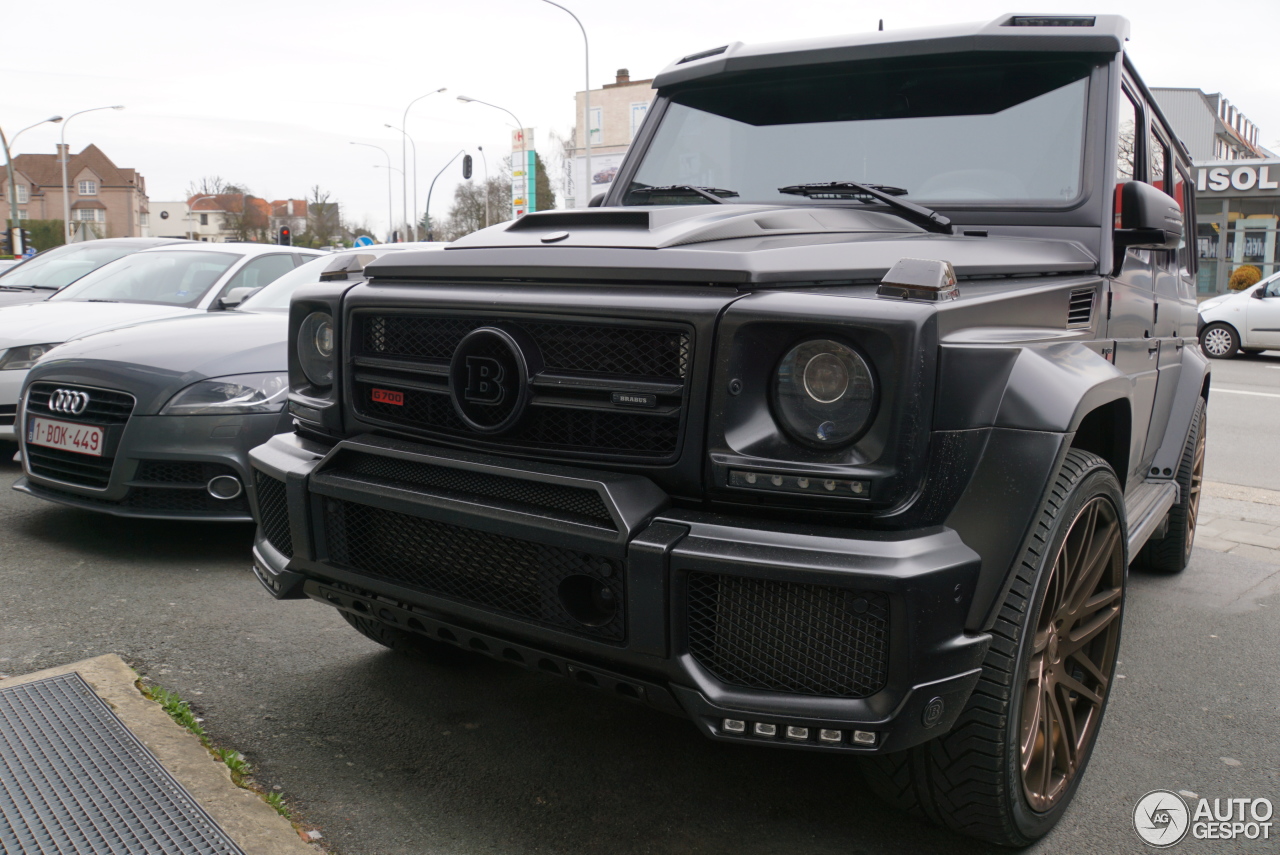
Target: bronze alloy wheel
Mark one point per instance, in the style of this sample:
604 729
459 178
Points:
1193 492
1073 654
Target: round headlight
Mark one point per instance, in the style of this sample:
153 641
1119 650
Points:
315 348
824 393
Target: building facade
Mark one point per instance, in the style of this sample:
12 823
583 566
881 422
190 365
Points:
107 200
1237 185
229 217
617 110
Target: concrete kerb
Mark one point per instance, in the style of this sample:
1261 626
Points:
241 813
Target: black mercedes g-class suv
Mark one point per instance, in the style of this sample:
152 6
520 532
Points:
834 425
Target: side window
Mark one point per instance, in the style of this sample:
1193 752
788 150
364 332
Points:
1126 146
1184 193
1158 161
259 272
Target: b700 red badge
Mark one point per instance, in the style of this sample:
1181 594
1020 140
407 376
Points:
386 396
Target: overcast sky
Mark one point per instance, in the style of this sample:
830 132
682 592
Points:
270 93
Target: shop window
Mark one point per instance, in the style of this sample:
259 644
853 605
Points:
88 188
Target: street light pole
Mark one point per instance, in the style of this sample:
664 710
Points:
586 95
485 161
524 155
404 167
65 155
433 187
390 215
8 160
405 174
190 203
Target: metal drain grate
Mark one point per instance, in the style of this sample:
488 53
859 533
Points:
73 779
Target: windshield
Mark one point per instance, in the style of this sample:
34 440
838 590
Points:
275 297
1002 130
171 277
63 265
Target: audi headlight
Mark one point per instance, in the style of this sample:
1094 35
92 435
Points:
234 395
824 393
25 356
315 348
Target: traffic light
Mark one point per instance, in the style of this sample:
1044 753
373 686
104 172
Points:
466 166
286 237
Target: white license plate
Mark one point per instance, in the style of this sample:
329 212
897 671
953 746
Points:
82 439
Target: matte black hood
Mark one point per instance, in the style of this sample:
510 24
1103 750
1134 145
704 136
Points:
737 245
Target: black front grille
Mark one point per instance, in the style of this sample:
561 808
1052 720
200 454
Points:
273 512
571 347
105 407
789 637
69 467
551 428
515 577
575 504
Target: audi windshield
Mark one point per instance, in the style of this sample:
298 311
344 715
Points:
983 129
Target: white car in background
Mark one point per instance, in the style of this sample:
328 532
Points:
1247 320
164 282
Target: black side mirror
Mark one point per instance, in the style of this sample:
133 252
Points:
466 166
1259 293
596 201
1149 218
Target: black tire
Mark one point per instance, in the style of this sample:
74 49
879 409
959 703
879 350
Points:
1171 553
970 779
396 639
1219 341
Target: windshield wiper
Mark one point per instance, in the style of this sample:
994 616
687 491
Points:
918 214
715 194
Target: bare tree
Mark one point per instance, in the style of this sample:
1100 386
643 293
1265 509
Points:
213 185
324 220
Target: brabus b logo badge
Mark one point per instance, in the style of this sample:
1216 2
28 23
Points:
484 380
489 378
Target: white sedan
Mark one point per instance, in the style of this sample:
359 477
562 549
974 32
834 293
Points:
1247 320
164 282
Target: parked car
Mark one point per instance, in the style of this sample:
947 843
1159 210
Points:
37 278
1247 320
161 282
834 429
171 408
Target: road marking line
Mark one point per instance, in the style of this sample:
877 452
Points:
1243 392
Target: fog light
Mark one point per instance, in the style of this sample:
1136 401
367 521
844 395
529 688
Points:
864 737
763 729
797 732
825 735
732 725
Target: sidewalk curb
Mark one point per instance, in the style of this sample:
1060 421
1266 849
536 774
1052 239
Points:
241 813
1219 490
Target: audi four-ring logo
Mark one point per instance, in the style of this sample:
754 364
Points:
69 401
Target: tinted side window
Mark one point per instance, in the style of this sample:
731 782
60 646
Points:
1158 161
1126 145
259 272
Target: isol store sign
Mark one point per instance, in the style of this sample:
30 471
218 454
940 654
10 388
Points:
1241 178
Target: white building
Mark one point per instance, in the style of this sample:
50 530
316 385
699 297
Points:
617 110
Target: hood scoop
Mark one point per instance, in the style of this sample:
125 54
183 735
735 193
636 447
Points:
681 225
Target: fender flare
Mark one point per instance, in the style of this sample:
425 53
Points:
1193 384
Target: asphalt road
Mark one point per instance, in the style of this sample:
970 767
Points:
386 754
1244 421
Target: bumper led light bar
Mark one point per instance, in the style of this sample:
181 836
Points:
793 733
809 484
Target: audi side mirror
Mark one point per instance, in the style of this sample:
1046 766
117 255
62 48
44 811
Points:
1149 218
596 201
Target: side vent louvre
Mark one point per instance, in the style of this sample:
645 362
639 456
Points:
1080 309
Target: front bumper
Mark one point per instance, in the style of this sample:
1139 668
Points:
161 466
10 390
771 634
